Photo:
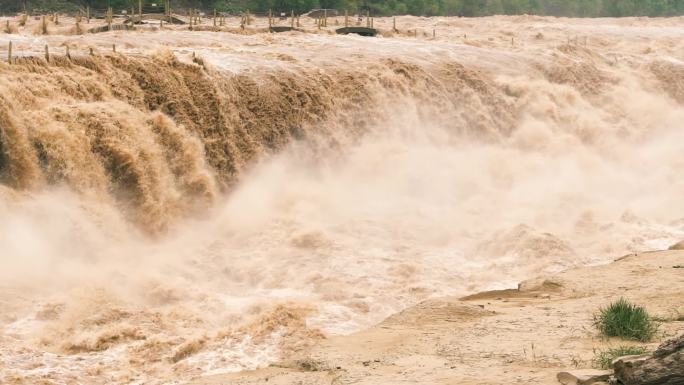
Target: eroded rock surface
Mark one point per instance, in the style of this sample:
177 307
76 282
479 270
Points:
664 367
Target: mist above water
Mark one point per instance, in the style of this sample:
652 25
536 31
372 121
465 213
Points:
169 220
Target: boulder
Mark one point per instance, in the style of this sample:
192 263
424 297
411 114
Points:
664 367
584 377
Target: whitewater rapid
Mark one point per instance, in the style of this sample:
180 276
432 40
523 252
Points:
163 218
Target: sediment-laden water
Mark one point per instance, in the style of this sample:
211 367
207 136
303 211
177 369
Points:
163 218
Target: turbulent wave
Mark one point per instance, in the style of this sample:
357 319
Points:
159 137
166 218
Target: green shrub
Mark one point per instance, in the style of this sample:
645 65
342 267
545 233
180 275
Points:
626 320
603 359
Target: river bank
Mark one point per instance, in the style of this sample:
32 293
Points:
523 336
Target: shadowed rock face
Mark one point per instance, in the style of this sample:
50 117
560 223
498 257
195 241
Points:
664 367
583 377
677 246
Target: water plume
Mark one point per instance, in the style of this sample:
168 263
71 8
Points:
164 219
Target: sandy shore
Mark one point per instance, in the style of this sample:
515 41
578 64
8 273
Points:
523 336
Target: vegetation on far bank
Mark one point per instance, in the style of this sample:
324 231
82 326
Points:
569 8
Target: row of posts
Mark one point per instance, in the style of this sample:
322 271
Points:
321 22
12 59
195 18
219 20
292 19
68 55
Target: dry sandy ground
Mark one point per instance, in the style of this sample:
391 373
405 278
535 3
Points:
523 336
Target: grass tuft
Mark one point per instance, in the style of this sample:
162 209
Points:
603 359
626 320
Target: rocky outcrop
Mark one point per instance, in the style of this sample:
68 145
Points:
664 367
